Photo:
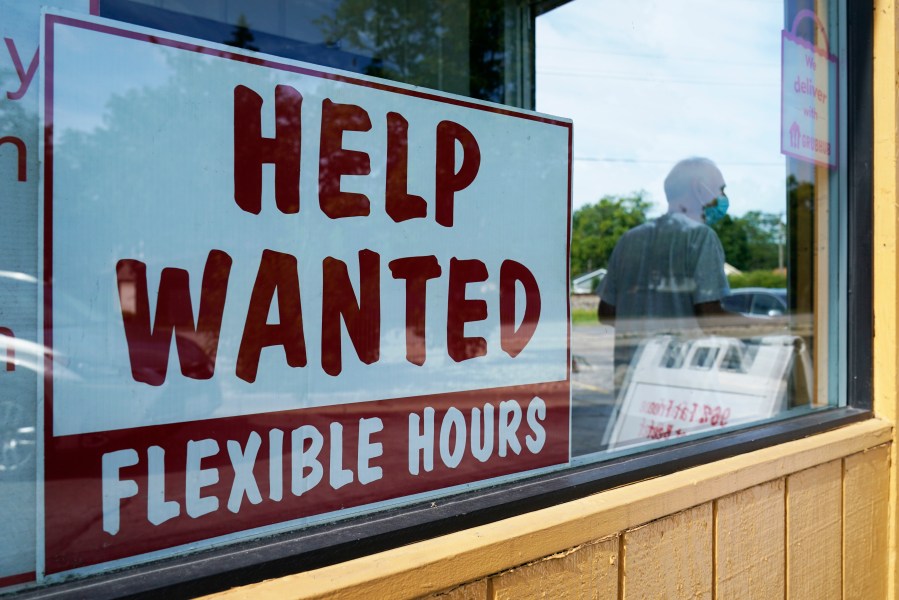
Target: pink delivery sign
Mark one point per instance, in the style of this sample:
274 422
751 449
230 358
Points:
809 96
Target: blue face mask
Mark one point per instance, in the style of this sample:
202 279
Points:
716 209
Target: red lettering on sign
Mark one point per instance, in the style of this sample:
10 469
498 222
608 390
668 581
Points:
362 318
416 270
400 204
10 351
25 77
514 340
336 161
277 274
448 179
148 347
461 310
160 486
22 157
251 150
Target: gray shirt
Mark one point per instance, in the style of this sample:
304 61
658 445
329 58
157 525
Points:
658 272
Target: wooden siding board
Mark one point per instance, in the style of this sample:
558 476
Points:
749 543
814 533
866 494
671 558
589 572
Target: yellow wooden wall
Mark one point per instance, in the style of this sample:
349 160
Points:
885 230
817 534
808 519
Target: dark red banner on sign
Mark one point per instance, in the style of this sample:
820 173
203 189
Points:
116 494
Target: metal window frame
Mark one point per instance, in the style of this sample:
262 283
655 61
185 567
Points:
243 563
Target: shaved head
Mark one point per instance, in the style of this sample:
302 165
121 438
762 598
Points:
691 184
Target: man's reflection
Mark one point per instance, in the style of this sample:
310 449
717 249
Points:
668 273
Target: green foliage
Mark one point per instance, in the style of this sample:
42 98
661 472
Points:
452 45
596 228
762 278
751 242
583 316
242 37
734 240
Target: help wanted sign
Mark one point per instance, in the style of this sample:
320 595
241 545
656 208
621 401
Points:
278 293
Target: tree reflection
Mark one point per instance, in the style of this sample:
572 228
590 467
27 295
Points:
452 45
242 37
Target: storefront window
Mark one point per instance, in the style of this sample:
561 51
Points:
737 129
266 266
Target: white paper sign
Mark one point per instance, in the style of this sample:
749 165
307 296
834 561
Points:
679 387
249 253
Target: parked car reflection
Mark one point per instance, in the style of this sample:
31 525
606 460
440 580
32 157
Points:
21 358
757 302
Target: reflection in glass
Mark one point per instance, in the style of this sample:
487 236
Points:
455 46
748 329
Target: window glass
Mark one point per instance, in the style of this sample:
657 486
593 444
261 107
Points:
458 46
298 257
275 264
705 167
